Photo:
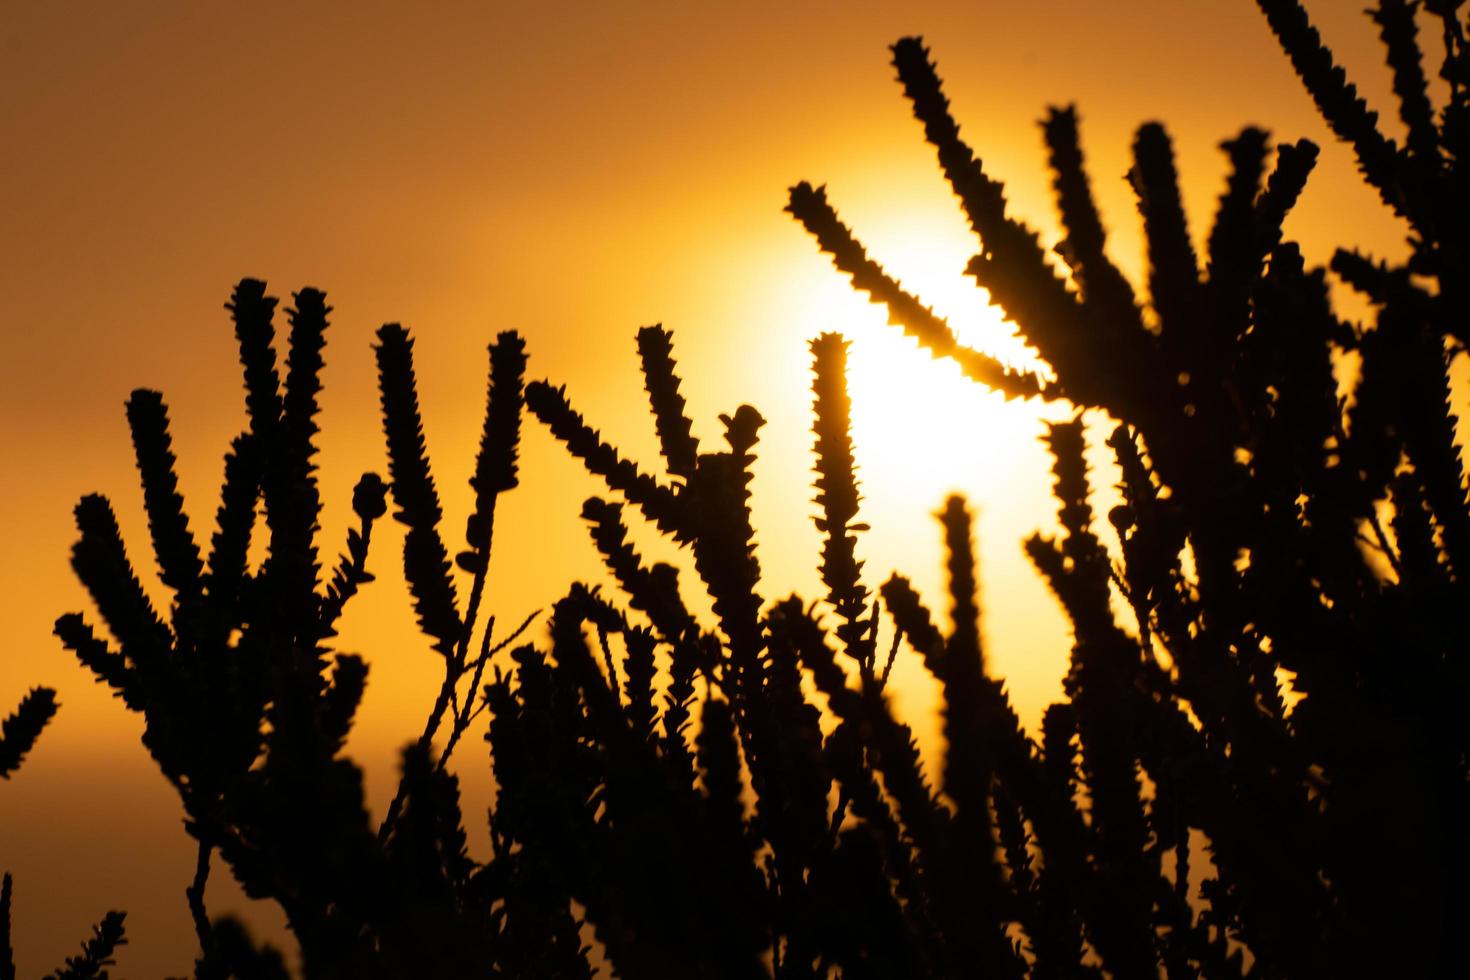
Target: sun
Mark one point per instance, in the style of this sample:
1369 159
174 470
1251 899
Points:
921 430
920 427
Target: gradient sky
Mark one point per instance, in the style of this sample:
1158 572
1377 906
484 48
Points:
572 171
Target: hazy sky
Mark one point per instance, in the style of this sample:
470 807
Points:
572 171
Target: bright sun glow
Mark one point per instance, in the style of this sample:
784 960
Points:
920 427
921 430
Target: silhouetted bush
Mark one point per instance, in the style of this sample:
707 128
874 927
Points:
18 734
1333 824
1265 774
19 731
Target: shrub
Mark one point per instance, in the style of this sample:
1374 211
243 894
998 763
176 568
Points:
1265 774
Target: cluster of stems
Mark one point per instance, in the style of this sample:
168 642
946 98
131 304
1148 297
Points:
1261 765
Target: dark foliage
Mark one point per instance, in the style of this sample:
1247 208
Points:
246 709
97 952
1264 774
19 730
1274 707
18 734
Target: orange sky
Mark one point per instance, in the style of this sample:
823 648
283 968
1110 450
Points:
571 171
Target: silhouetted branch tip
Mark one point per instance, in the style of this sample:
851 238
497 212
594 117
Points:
21 728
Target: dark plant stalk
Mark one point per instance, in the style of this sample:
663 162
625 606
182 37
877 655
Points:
7 953
809 206
1012 264
1294 164
1337 99
1101 284
661 379
20 729
179 563
1174 278
97 952
652 591
837 496
194 895
1399 33
659 503
425 559
495 469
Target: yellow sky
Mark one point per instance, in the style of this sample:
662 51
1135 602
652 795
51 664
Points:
572 171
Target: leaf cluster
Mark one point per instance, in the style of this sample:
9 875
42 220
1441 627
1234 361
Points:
1261 762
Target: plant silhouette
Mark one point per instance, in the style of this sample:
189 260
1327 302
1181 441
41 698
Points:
18 735
1335 825
1265 776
